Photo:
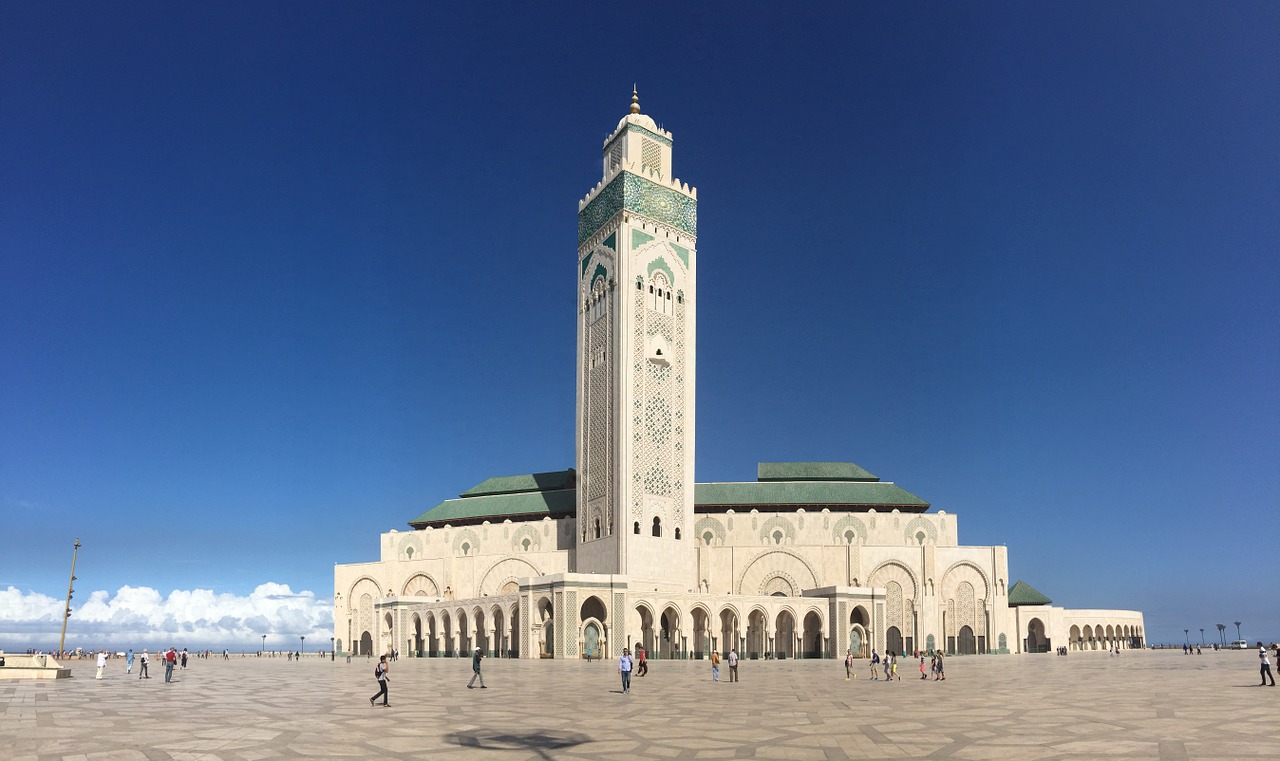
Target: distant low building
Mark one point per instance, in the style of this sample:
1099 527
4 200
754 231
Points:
809 560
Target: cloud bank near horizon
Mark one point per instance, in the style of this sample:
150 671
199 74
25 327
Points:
137 617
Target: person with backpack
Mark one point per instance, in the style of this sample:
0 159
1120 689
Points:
875 663
380 673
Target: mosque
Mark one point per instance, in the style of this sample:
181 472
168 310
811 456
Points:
808 561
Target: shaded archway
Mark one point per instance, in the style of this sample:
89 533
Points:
702 645
670 646
966 643
446 624
1037 641
757 633
415 645
464 634
501 645
859 620
729 631
546 629
646 629
433 636
366 644
784 635
481 636
893 640
812 639
1073 637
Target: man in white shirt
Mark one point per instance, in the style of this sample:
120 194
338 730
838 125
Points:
1265 666
102 662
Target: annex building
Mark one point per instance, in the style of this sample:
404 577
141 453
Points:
809 560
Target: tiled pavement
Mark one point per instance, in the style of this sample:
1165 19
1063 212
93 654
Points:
1143 705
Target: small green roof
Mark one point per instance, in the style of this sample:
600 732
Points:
497 507
812 471
559 479
1022 593
817 493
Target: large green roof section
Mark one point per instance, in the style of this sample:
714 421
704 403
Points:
781 484
559 479
1022 593
869 494
812 471
525 505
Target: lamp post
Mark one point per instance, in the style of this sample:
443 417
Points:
1237 631
1202 636
332 655
1188 633
264 645
304 643
1222 637
66 613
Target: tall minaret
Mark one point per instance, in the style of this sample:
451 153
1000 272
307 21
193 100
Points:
637 298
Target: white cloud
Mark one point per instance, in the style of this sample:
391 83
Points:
140 617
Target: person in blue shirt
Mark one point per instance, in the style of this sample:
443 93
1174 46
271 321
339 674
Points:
624 668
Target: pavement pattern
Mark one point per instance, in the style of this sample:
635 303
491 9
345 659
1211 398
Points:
1141 705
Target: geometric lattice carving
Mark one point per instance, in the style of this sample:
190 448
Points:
893 605
421 585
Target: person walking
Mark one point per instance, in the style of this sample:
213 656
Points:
886 663
939 674
624 669
380 673
715 666
170 660
644 661
475 670
875 664
128 662
733 664
1265 666
184 659
102 663
923 675
142 665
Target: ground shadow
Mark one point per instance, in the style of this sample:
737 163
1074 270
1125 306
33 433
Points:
539 742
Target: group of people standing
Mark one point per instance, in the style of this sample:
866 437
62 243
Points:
171 659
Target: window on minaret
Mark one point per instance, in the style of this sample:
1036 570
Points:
660 294
597 528
597 300
615 156
651 157
657 526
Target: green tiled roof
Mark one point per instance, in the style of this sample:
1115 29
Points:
1022 593
818 493
812 471
496 507
560 479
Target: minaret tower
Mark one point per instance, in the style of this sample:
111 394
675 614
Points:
637 299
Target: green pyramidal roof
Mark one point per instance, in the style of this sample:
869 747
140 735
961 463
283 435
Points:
812 471
559 479
1022 593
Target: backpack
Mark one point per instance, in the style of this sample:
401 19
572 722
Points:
377 671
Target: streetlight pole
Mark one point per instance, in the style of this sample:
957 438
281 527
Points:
1201 636
1188 633
304 642
1222 637
1237 631
332 655
264 645
66 613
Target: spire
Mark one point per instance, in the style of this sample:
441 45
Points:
635 100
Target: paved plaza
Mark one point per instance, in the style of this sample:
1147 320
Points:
1142 705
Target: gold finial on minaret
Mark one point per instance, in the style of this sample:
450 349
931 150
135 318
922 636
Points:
635 100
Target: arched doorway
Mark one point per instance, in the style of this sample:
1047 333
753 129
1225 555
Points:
701 633
670 646
546 636
893 640
501 648
812 635
517 636
464 634
784 635
482 634
366 644
1037 641
446 622
646 630
591 640
433 637
966 643
729 631
858 622
416 645
756 627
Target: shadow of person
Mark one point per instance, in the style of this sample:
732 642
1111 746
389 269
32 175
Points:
539 741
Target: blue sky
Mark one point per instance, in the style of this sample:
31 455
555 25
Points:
274 279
